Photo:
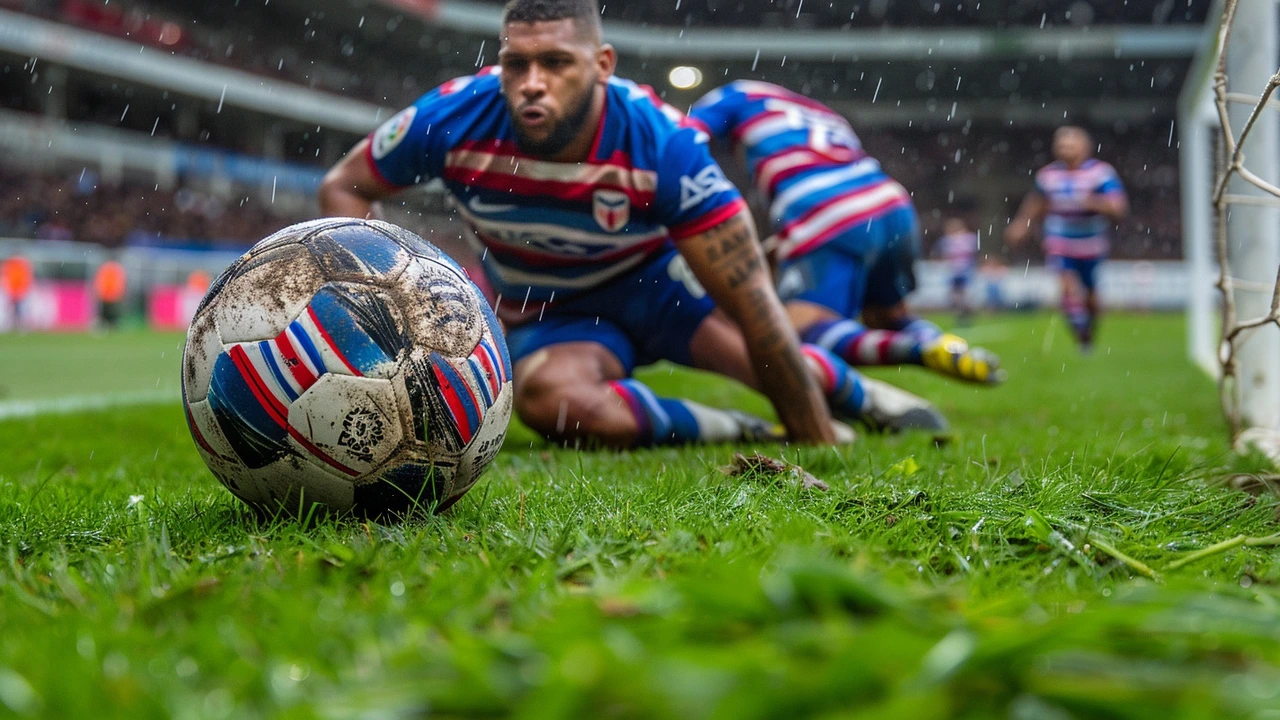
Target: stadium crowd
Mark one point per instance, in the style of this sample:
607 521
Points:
985 185
81 206
247 38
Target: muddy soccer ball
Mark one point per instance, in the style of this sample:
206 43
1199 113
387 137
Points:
348 363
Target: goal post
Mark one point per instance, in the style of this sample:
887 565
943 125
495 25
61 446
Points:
1196 121
1230 153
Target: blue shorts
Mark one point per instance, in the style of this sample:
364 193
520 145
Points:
644 316
961 280
1085 268
874 265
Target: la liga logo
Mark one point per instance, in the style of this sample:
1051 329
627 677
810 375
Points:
393 132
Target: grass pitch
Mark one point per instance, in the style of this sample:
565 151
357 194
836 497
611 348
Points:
1059 559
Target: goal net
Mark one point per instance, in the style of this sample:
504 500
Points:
1230 151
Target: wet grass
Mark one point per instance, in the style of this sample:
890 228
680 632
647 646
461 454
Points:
1028 569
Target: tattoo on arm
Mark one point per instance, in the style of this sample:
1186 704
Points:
735 254
730 264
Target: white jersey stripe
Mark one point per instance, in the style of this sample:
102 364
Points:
820 181
768 127
496 230
771 168
644 181
512 276
840 210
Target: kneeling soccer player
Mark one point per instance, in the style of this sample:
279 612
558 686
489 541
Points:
612 238
846 233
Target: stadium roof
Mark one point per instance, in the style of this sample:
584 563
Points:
960 59
904 60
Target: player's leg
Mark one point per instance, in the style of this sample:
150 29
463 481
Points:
890 280
825 289
1088 272
1074 298
822 292
572 383
718 346
680 323
562 392
960 298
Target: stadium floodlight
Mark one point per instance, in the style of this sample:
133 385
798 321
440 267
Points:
683 77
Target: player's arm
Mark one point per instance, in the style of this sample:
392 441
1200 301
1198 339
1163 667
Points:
350 188
1110 199
729 263
1114 205
1032 211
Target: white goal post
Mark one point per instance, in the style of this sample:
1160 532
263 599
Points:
1231 210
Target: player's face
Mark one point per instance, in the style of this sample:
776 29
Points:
550 75
1070 146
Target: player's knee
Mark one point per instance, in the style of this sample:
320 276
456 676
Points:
538 401
555 410
565 413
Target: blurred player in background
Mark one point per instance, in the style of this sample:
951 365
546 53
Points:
17 276
611 238
993 272
110 284
958 247
846 234
1079 198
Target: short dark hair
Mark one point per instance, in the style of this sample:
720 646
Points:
584 12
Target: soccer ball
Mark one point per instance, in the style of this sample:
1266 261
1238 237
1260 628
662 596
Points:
348 363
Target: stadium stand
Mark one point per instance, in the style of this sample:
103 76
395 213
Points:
179 168
82 207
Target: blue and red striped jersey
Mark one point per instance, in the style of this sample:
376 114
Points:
1070 230
804 158
552 230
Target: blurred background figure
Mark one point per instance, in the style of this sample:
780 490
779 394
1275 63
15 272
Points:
109 285
1078 198
993 271
958 247
16 279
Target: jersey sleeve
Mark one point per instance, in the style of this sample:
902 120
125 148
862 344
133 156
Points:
410 147
693 194
1110 184
1038 187
713 113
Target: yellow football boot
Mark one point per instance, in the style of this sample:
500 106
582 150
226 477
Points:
950 355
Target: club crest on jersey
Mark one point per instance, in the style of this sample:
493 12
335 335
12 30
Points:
612 209
392 132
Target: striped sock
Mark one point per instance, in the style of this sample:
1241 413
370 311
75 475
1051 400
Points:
860 345
840 383
922 330
1078 318
666 421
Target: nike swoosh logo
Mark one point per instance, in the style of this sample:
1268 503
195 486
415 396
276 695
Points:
483 207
